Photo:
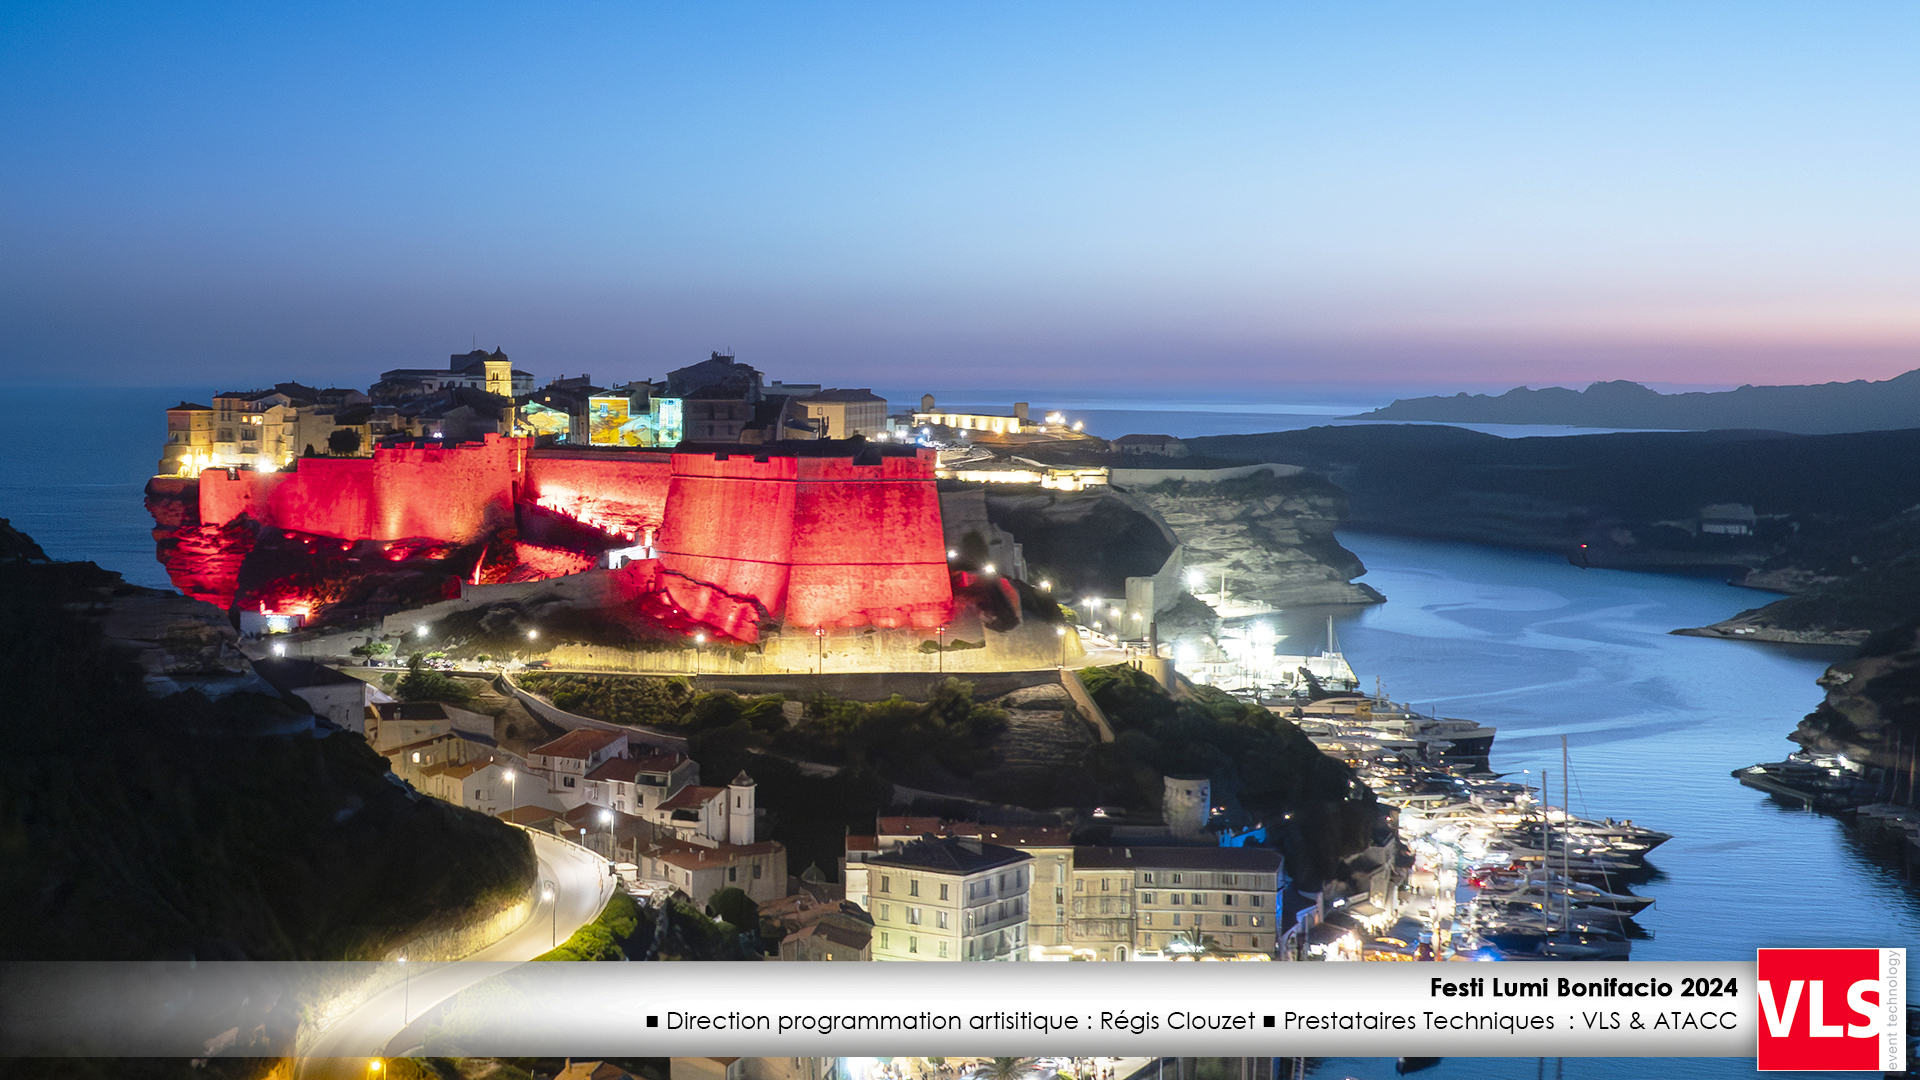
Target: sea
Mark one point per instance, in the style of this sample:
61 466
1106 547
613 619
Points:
1521 640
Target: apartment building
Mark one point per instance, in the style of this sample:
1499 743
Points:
949 899
1170 902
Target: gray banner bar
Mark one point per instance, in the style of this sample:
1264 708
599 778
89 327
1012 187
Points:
1557 1009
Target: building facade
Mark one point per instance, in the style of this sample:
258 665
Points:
949 899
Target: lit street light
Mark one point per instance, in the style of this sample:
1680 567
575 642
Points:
940 643
553 932
820 644
406 990
1061 632
698 640
606 818
513 790
421 630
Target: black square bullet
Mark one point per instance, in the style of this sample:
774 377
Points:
654 1021
1268 1021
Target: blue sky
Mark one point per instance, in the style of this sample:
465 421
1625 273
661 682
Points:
1263 198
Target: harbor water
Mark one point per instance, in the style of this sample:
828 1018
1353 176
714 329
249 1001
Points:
1655 722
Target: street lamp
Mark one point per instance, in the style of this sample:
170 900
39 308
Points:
420 630
940 646
1061 632
698 640
553 932
513 790
533 635
606 818
820 644
406 990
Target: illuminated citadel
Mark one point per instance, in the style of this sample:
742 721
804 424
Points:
809 534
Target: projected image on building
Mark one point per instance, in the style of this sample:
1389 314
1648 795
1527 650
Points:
613 421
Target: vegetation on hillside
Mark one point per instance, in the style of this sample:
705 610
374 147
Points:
1313 805
873 744
138 827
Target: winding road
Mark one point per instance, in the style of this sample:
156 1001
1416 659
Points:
348 1048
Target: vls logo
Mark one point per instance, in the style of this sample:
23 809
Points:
1833 1009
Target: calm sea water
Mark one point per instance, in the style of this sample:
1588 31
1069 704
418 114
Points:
1519 640
1654 723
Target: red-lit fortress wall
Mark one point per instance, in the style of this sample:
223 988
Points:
820 541
453 494
625 495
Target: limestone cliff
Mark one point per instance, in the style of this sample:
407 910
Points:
1272 537
1871 712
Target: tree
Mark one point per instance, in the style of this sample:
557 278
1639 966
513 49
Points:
344 442
1006 1068
1194 945
736 908
422 683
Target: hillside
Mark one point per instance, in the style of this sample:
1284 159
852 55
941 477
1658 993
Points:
1830 514
1809 410
158 800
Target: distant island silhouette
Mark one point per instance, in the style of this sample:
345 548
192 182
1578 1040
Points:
1824 409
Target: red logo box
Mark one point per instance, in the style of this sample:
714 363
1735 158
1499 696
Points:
1832 1010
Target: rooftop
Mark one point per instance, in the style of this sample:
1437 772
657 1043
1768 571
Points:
579 744
946 855
1241 860
688 856
287 674
691 797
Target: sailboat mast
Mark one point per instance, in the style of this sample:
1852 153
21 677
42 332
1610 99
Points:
1566 836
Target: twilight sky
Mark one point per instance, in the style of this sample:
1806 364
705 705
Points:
1260 198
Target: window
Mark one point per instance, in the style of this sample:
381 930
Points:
1146 918
1080 885
913 944
943 950
1003 883
1229 879
883 939
1146 898
1059 895
1199 898
1226 920
1175 897
940 919
943 890
885 912
1176 918
756 871
1176 879
733 874
566 781
913 886
1199 919
1104 884
886 883
913 916
1254 921
1227 899
1146 878
1119 952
